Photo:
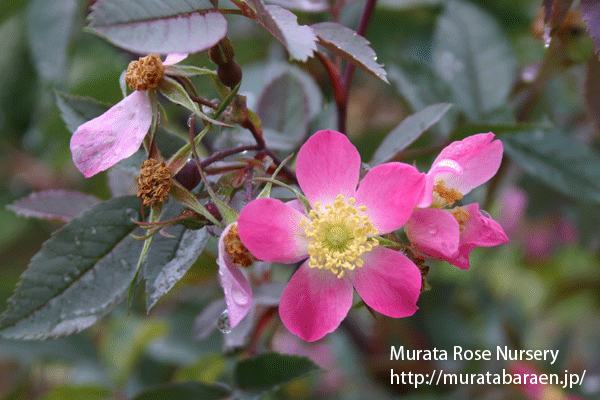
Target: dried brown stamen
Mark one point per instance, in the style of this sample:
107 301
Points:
144 74
154 182
236 250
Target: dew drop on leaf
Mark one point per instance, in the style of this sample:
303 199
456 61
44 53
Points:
223 323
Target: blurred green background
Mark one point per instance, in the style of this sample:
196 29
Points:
541 291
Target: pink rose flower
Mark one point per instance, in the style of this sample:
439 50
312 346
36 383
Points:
337 237
451 234
115 135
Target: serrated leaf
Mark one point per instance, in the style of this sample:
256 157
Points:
158 26
81 273
49 24
408 131
352 47
299 40
302 5
188 70
77 110
269 371
471 53
56 205
185 391
169 258
561 162
283 112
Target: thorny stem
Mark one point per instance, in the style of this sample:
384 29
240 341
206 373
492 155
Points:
205 102
365 19
226 153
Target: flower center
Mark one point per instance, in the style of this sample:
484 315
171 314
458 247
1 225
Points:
236 250
153 182
338 235
461 217
145 73
444 197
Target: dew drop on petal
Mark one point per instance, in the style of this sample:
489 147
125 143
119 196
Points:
223 323
239 297
546 36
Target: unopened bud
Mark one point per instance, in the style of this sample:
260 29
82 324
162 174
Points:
230 74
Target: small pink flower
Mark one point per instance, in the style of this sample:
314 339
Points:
337 237
115 135
451 234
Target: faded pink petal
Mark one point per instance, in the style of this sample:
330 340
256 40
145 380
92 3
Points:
113 136
479 231
174 58
314 302
327 165
390 192
271 230
389 282
433 232
238 294
479 158
441 167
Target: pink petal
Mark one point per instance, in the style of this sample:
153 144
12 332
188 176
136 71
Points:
433 232
238 293
479 158
441 167
479 231
271 231
327 165
513 203
314 302
388 282
390 192
296 205
113 136
174 58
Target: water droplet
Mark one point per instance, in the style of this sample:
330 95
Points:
94 231
77 241
433 230
546 36
239 297
223 323
189 120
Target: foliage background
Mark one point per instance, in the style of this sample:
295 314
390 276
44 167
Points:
541 291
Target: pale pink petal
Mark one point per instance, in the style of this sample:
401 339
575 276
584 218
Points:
113 136
513 203
327 165
388 282
441 167
479 231
174 58
433 232
238 294
390 192
271 231
296 205
479 158
314 302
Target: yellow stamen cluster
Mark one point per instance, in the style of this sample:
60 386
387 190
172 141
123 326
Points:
153 182
338 235
144 74
444 197
236 250
461 217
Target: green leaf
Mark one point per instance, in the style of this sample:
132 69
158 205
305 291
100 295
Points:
184 196
352 47
173 91
188 70
283 111
472 55
185 391
77 110
299 40
55 205
561 162
8 8
160 26
49 24
269 371
81 273
169 258
77 393
408 131
472 129
206 369
126 340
